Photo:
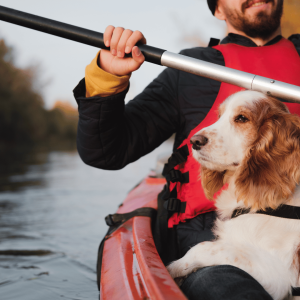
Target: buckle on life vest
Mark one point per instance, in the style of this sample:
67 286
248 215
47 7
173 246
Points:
175 205
177 176
182 153
178 157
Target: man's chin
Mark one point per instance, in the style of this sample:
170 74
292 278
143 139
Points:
257 22
257 19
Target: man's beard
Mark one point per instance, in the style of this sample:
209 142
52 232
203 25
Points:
261 26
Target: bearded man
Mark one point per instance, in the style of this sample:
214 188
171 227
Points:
112 135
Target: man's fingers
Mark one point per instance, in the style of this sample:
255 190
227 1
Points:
138 58
122 42
115 40
108 34
135 37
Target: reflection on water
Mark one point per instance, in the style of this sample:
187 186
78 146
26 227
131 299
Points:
15 166
52 210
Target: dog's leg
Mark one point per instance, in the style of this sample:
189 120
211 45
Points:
199 256
271 273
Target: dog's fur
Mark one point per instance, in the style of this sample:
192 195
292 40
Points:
255 148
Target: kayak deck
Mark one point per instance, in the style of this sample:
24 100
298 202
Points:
131 266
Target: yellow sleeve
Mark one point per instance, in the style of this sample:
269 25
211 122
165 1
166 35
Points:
101 83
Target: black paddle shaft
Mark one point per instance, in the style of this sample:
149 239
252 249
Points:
70 32
198 67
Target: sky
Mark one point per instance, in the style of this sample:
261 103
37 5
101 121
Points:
61 63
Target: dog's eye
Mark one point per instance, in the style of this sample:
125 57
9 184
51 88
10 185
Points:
241 119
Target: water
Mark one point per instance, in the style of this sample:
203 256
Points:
53 206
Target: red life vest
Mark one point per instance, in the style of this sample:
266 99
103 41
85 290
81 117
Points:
279 62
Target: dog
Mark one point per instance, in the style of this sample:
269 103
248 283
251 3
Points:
254 150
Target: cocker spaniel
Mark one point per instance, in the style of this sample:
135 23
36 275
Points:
254 150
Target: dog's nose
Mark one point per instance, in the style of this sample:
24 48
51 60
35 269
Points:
198 141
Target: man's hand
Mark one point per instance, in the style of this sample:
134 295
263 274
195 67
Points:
121 41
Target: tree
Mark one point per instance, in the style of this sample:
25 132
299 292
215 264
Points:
23 118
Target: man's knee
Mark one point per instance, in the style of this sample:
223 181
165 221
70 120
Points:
223 282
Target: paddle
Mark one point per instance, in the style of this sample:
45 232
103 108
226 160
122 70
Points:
157 56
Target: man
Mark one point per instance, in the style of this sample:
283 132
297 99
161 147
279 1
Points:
111 135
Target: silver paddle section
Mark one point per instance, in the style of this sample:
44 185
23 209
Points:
249 81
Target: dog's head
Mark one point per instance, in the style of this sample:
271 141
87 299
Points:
259 140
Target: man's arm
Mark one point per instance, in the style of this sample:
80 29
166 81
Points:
111 134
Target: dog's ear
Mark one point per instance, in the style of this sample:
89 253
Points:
212 181
271 170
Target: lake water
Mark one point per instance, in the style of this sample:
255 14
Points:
52 209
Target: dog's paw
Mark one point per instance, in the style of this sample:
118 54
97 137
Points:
174 269
179 268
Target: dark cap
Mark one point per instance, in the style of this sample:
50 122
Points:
212 5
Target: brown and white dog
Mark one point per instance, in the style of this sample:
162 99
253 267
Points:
255 148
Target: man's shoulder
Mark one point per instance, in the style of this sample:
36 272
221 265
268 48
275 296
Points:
204 53
295 39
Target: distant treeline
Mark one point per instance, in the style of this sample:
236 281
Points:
23 119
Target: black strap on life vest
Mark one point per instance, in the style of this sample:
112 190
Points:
283 211
177 176
172 204
179 156
168 204
175 205
165 238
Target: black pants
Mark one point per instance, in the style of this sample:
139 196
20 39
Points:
216 282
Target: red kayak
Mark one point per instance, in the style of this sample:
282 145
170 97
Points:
131 267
